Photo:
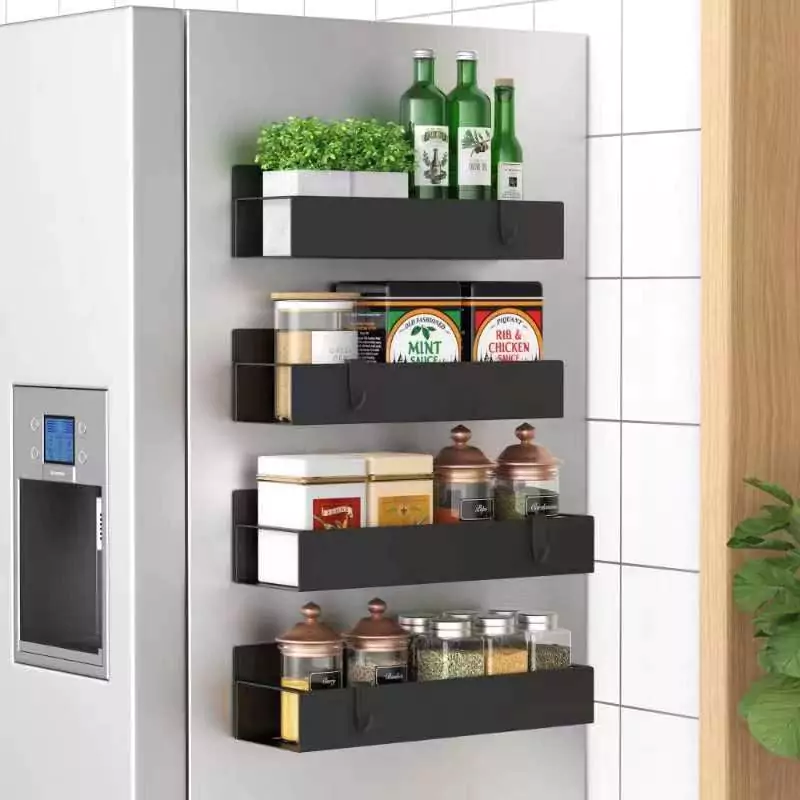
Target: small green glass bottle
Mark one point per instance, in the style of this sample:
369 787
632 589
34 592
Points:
469 114
424 115
506 150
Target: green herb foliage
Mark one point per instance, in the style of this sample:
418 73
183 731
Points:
353 145
769 589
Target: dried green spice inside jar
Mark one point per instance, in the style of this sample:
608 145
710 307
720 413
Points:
435 665
552 656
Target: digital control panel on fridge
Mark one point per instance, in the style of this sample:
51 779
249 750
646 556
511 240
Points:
60 441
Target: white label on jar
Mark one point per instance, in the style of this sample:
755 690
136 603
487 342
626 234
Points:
333 347
509 181
424 336
474 156
507 335
431 155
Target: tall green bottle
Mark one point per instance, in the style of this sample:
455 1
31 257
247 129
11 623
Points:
423 113
469 114
506 150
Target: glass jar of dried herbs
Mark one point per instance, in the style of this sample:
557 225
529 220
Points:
505 648
450 650
527 478
549 647
416 624
377 651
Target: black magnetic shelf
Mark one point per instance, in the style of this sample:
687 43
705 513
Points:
409 712
399 556
360 227
359 391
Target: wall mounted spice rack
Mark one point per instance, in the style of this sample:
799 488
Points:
406 712
358 391
359 227
398 556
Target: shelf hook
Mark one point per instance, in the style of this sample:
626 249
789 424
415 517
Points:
357 394
540 538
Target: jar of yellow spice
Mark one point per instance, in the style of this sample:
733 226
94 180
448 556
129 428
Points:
311 660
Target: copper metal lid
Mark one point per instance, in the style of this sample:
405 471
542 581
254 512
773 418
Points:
461 455
377 630
527 452
310 631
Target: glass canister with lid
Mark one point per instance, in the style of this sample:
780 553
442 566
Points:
416 624
549 647
505 648
311 660
377 649
310 328
450 650
463 481
527 478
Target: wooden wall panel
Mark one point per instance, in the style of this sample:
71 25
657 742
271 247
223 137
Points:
751 348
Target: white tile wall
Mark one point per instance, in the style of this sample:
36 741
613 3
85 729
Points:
661 212
605 488
2 12
292 8
601 20
77 6
207 5
21 10
433 19
605 207
661 65
605 631
603 754
660 640
519 17
342 9
605 318
660 476
392 9
661 350
659 757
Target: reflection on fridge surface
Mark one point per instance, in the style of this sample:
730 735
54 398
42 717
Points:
60 475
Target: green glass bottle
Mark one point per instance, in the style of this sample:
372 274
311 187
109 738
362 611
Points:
506 150
423 113
469 114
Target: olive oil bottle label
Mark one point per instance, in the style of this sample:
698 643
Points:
431 155
425 335
404 510
509 181
474 156
507 334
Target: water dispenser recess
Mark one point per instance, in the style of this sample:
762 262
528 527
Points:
60 441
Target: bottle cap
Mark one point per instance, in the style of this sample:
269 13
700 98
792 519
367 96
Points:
466 55
509 82
423 53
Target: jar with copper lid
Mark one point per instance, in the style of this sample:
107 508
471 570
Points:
527 478
377 649
463 481
311 660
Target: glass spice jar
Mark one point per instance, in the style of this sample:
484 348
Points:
505 648
549 647
463 486
527 478
311 660
416 624
450 650
377 651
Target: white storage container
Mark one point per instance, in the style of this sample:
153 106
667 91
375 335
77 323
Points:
311 492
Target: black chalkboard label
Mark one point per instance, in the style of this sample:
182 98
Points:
384 675
475 509
544 503
319 681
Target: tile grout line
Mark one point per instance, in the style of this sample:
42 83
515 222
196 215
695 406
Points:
644 710
646 278
645 422
621 364
658 567
406 17
625 135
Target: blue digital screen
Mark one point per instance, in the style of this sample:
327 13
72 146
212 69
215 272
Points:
59 440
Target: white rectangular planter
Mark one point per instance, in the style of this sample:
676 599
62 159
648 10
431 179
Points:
379 184
305 183
317 183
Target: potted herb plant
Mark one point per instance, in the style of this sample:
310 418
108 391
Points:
769 588
347 158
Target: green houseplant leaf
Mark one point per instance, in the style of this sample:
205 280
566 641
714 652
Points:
781 653
771 709
761 580
776 491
